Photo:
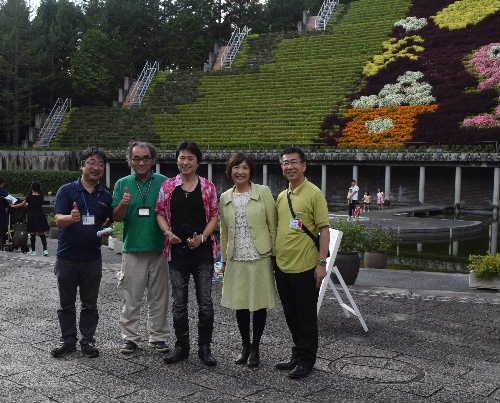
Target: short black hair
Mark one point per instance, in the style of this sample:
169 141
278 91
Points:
294 150
89 152
190 146
237 159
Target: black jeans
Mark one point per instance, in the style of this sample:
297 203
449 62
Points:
299 297
179 278
86 276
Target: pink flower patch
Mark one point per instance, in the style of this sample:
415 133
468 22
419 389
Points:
487 63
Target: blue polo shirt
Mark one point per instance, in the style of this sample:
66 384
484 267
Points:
80 242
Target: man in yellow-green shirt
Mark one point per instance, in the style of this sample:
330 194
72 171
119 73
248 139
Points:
300 259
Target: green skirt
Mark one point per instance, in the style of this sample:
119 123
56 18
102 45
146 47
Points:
249 285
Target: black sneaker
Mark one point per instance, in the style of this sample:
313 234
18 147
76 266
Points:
89 350
128 347
63 350
159 346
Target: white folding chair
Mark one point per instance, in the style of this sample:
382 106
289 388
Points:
335 239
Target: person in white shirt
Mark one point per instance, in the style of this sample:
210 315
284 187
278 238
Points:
352 197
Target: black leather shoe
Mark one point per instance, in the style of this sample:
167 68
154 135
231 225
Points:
89 350
63 350
254 357
179 354
286 365
299 372
206 356
243 357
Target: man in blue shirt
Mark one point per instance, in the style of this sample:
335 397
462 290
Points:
81 209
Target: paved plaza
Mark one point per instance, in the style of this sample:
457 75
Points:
426 342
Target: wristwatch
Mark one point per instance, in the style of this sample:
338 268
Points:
322 262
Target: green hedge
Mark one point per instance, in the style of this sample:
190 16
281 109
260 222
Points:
19 182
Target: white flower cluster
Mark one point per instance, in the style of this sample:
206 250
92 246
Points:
379 125
406 91
494 52
411 23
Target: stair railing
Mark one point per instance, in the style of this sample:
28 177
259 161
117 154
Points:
146 76
233 46
325 13
51 125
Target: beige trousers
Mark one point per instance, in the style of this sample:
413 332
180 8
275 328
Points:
144 275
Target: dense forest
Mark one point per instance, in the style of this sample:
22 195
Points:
84 50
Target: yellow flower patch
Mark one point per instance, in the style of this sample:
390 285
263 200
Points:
465 12
394 49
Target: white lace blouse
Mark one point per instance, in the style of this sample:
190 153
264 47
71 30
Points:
244 247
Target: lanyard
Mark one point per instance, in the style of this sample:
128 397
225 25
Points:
85 203
143 195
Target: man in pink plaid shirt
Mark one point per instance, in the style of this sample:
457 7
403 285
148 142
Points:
188 215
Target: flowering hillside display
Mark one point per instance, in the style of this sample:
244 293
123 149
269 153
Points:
437 81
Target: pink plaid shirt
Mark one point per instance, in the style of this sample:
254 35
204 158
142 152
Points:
209 196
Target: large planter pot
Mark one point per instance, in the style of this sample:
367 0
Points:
348 265
375 260
492 283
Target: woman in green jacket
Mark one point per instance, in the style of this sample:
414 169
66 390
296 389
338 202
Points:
248 232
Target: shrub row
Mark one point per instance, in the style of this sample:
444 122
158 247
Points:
19 182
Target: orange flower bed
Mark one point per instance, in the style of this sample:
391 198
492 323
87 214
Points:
355 134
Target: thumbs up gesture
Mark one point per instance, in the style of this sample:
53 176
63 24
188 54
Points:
127 197
75 213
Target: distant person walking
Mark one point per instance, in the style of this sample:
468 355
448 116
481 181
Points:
352 198
380 199
367 200
37 221
6 200
82 208
248 232
144 269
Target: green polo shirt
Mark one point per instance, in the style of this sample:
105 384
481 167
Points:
295 250
140 234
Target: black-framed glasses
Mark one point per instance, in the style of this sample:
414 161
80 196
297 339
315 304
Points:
141 159
94 163
287 163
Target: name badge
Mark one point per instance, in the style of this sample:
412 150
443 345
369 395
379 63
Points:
88 219
144 212
295 224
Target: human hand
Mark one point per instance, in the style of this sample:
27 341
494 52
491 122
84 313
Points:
319 274
172 238
75 213
127 197
195 241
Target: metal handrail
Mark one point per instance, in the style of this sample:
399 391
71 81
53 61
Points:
325 13
51 125
233 46
143 82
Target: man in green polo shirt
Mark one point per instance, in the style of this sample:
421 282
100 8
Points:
144 269
300 267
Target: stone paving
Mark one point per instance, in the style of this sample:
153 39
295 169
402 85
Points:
443 348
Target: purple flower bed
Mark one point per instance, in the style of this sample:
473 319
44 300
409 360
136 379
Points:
443 68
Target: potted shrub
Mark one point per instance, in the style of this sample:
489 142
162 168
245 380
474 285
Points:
379 241
484 271
352 244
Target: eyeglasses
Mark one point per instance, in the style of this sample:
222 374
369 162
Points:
136 160
287 163
94 163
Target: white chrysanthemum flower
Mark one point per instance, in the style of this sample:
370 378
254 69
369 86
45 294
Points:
411 23
379 125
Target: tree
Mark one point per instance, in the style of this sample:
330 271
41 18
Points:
97 69
15 71
57 28
245 12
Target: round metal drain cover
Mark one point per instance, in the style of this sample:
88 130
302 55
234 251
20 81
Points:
376 369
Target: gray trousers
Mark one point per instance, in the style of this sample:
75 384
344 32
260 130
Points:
144 275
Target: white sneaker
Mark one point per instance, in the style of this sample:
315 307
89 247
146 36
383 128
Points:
45 252
32 253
